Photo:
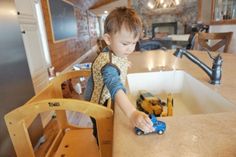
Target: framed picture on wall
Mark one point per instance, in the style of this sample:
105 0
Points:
63 20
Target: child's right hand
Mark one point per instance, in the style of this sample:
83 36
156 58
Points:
142 121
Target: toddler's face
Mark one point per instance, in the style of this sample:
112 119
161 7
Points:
123 43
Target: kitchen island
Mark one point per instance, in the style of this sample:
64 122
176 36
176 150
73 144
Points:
198 135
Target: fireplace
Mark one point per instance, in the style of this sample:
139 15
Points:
164 28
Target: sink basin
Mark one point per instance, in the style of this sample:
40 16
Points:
190 95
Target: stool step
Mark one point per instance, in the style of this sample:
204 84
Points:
78 143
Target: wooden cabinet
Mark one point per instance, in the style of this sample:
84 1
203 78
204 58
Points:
204 13
223 12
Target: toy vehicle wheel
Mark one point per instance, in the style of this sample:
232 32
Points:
139 132
160 132
138 102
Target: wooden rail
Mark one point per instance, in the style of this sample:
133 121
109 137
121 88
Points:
51 99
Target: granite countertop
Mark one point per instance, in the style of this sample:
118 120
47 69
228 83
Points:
191 135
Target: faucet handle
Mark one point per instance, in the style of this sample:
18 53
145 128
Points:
179 52
208 52
218 60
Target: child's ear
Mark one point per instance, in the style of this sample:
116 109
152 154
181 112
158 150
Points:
107 38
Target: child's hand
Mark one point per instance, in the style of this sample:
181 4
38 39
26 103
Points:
142 121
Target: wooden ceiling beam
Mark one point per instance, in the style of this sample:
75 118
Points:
100 3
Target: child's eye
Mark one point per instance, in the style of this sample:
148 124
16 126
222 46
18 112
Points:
125 44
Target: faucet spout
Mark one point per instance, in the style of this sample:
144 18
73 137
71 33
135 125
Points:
214 73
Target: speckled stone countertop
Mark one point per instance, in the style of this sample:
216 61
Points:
202 135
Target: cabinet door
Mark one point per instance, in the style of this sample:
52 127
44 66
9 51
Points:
35 56
26 11
223 11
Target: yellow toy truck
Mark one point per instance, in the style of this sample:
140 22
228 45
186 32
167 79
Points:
150 104
170 102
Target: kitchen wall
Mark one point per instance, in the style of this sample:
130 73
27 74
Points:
66 52
226 28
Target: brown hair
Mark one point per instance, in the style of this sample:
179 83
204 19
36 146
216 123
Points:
101 45
123 16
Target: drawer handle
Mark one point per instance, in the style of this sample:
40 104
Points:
23 32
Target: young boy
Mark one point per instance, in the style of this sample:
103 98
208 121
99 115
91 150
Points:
122 29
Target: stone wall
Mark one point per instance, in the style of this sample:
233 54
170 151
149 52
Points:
185 15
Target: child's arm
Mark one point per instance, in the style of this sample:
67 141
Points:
137 118
111 79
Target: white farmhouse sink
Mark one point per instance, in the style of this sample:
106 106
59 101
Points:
190 95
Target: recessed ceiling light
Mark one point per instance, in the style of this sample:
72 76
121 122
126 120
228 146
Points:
106 12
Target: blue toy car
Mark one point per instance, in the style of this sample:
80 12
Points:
159 126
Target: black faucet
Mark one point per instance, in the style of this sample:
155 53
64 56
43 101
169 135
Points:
214 73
